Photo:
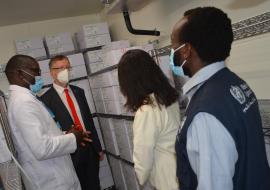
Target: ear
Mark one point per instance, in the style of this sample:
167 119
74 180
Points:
20 74
187 50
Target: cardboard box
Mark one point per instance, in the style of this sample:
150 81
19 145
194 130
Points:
113 57
97 95
93 56
109 136
95 81
117 172
116 45
110 94
39 53
93 41
57 40
61 49
44 66
84 84
77 72
100 108
29 44
94 67
109 79
122 139
96 123
112 107
106 182
129 127
130 177
47 78
76 59
104 171
94 29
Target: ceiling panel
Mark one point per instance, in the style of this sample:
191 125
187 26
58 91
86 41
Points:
22 11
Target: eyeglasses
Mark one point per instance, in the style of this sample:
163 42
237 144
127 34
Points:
62 68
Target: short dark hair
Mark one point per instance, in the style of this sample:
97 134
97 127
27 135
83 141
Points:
17 62
209 31
139 76
57 58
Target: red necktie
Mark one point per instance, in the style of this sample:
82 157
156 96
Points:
73 110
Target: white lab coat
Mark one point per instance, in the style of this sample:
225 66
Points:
154 154
43 150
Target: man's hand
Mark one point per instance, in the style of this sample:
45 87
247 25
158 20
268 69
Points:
101 156
82 137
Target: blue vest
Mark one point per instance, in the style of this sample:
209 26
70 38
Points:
232 102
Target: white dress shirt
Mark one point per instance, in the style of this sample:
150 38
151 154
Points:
60 91
43 151
211 149
155 129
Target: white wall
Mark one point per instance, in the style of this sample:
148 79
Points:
27 30
163 14
249 57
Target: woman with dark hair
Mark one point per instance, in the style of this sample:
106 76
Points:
157 118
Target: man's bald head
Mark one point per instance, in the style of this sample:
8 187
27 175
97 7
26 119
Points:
16 64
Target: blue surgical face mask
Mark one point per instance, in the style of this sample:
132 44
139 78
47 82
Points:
35 88
177 70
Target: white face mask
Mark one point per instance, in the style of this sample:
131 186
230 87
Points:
63 76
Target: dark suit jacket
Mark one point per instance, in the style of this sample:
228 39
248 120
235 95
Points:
54 102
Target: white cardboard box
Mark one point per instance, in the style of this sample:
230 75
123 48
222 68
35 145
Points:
93 41
39 53
94 67
109 136
124 110
112 107
47 78
61 49
27 44
122 139
100 108
109 79
110 94
84 84
106 182
116 45
104 162
76 59
129 127
95 29
97 95
113 57
95 81
94 56
119 93
130 177
77 72
104 171
44 66
56 40
117 172
96 122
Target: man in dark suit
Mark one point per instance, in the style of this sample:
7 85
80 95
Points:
70 107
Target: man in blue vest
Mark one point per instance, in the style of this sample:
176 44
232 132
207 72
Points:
220 145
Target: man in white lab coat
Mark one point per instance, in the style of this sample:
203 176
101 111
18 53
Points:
43 150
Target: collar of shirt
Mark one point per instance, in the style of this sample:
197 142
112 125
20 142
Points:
59 89
21 89
193 84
